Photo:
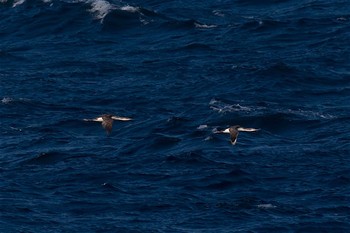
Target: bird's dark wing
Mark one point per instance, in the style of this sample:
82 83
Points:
107 124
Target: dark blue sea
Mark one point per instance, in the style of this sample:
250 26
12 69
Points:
182 70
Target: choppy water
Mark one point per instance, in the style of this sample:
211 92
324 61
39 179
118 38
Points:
181 70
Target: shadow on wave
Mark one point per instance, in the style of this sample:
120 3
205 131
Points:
131 17
189 158
260 25
121 19
229 179
160 141
47 158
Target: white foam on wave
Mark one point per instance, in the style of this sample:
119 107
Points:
15 2
201 127
9 100
221 107
18 2
309 114
133 9
218 13
16 129
130 9
100 8
266 206
204 26
342 19
6 100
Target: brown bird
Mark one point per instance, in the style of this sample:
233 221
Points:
107 121
234 131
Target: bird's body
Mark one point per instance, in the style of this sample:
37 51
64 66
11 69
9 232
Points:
234 131
107 121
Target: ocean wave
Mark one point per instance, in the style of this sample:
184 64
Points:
111 15
121 19
100 8
222 107
182 71
163 141
279 68
130 9
186 24
47 158
36 105
16 3
6 100
120 14
188 158
258 110
204 26
263 25
9 100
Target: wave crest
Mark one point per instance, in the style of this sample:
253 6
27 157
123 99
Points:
100 8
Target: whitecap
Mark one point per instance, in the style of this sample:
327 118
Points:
223 107
213 101
6 100
130 9
248 17
144 22
341 19
18 2
100 8
202 127
16 129
9 100
309 114
218 13
266 206
198 25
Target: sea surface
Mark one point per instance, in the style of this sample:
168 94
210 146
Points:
182 70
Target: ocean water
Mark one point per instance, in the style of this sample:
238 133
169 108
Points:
181 70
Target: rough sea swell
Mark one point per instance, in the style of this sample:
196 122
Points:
181 70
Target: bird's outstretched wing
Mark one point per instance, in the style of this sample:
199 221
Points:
118 118
97 119
247 129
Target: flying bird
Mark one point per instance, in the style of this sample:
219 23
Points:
234 131
107 121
